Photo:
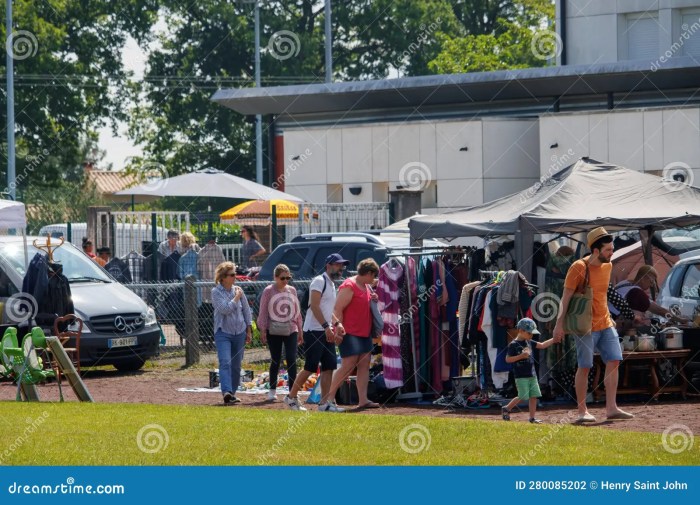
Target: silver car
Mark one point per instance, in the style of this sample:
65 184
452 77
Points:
119 328
680 291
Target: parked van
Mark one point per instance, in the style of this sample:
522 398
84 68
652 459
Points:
119 328
127 237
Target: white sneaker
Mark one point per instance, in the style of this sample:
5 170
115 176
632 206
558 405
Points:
272 395
293 403
330 407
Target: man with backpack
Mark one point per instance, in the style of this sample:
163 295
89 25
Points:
320 328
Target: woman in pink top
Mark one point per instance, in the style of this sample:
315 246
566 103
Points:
354 331
279 322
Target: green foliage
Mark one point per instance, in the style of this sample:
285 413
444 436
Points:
61 202
67 73
500 35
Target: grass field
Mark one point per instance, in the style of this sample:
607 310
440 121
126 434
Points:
136 434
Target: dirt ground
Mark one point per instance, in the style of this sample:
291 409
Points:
159 385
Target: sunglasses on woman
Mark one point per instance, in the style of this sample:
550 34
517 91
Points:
286 278
231 275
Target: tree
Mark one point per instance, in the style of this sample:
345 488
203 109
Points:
68 79
508 35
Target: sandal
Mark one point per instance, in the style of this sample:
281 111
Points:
505 414
369 405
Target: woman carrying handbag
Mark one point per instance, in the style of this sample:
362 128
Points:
353 310
280 324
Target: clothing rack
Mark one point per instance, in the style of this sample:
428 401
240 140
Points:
425 251
48 247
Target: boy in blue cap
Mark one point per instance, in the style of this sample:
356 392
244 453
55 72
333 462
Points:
519 354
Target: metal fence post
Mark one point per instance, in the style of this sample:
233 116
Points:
191 322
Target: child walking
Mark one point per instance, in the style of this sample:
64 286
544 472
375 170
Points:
520 355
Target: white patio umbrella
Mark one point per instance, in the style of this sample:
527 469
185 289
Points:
208 182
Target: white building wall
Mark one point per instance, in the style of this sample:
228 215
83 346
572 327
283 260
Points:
645 140
604 31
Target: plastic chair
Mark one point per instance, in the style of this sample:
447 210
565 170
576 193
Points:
28 368
9 340
64 337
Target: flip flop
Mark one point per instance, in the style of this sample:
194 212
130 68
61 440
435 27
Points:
620 415
369 405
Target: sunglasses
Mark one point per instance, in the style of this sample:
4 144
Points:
285 278
231 275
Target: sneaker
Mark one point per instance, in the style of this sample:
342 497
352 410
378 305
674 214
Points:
272 395
235 400
228 398
330 407
505 414
293 403
534 420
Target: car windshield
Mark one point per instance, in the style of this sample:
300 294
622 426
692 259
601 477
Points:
76 266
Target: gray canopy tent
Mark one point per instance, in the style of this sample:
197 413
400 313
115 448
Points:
579 197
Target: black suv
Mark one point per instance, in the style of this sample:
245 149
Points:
305 255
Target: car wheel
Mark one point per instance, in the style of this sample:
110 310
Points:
130 365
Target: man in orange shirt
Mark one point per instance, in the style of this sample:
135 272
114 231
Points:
603 336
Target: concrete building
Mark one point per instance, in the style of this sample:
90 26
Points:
471 138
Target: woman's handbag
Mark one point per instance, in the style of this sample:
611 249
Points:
579 315
377 321
282 328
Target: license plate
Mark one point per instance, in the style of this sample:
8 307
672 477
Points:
122 342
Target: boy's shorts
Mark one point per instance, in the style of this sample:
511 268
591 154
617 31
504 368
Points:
528 388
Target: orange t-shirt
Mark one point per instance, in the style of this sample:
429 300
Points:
599 280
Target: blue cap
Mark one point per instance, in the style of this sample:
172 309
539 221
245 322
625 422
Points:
528 325
336 258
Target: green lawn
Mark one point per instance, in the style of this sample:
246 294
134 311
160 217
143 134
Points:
106 434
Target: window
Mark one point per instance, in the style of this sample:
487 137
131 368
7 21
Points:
379 255
294 258
690 33
691 282
642 36
321 255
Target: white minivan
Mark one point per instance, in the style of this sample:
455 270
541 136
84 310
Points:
119 328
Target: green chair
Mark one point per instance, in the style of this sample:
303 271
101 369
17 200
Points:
9 339
27 366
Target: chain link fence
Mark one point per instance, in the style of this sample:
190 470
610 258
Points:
186 315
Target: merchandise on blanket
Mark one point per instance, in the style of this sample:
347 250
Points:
246 376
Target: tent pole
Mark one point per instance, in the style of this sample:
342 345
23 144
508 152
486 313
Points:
524 248
645 235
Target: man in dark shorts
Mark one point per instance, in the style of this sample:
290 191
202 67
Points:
319 335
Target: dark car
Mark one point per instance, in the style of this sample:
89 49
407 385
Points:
305 255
